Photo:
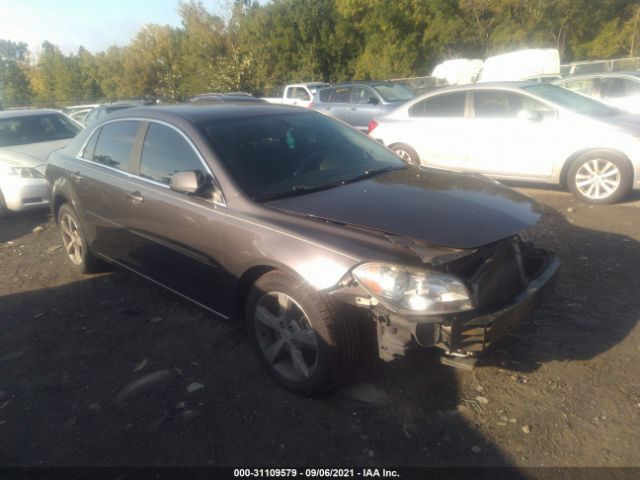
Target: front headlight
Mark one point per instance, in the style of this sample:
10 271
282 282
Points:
24 172
419 291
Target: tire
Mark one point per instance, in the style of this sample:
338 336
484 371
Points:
406 153
327 346
600 178
4 211
74 241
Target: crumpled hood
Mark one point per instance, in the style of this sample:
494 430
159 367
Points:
443 208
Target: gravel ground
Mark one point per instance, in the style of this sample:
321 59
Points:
110 370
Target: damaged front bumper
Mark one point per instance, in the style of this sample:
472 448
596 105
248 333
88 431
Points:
499 310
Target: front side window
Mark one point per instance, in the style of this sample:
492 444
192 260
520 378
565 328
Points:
115 144
362 95
394 92
570 100
500 104
300 93
447 105
164 153
26 129
293 153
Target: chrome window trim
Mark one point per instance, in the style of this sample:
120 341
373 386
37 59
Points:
222 203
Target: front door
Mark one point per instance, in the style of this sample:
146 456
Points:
513 135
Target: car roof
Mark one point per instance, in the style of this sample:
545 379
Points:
27 112
601 74
196 113
511 85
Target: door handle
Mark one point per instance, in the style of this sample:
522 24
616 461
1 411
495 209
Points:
135 197
328 108
353 109
76 177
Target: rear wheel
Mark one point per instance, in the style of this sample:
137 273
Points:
4 211
406 153
299 336
600 178
74 241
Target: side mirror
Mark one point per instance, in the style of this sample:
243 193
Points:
529 115
185 182
373 101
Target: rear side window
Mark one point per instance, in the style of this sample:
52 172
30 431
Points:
618 87
448 105
164 153
580 85
336 95
115 144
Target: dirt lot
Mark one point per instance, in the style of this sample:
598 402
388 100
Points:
564 390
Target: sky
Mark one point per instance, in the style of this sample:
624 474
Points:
94 24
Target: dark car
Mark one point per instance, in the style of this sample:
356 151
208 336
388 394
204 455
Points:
98 113
230 97
301 227
357 103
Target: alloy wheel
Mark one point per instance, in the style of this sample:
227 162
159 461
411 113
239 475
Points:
71 238
598 179
285 336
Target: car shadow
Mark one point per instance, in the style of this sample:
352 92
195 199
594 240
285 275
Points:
17 225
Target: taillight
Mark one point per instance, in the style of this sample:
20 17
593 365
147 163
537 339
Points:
310 105
372 125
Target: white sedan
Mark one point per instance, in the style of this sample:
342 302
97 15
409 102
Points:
520 131
26 139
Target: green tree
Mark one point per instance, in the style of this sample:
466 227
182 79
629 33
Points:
14 83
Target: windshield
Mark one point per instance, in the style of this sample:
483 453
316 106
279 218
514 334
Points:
35 129
293 153
571 100
394 92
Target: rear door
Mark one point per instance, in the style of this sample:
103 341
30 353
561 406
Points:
99 181
176 238
438 130
336 102
365 106
506 142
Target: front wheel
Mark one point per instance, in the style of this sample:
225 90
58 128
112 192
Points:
600 178
74 241
406 153
299 335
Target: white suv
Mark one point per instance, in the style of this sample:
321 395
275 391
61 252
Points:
520 131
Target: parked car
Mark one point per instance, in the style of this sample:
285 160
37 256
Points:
520 131
102 111
618 89
358 103
26 139
299 94
231 97
301 227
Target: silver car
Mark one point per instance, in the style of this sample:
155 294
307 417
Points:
618 89
520 131
26 139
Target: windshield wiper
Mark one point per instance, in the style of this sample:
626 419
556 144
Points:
371 173
302 189
295 191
